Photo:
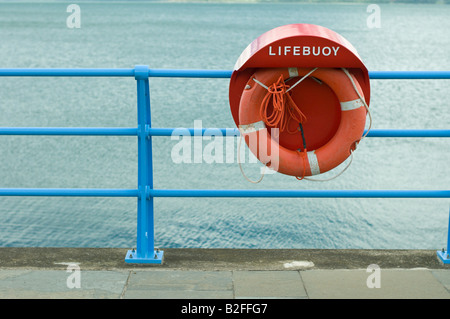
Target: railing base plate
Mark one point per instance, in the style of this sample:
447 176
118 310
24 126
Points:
133 258
443 256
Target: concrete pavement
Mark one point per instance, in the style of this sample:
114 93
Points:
188 274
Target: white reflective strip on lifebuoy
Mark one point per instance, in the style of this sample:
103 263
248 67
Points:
313 163
252 127
293 72
351 105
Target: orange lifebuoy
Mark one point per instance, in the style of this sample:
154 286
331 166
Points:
291 161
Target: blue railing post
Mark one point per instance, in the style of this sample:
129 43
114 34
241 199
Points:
444 255
145 251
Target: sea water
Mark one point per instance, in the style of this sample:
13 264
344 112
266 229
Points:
211 36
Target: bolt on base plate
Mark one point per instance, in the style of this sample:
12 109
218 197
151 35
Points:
133 258
444 256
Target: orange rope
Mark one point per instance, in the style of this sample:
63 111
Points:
284 107
304 159
284 110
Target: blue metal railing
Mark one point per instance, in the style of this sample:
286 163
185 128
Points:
145 251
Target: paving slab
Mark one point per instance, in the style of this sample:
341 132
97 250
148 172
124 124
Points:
393 284
179 284
58 284
268 284
443 276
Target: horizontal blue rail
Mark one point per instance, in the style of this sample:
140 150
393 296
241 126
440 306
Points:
69 72
289 193
235 132
236 193
129 131
198 73
89 131
115 73
409 75
69 192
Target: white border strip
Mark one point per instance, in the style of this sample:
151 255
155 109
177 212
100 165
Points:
293 72
313 163
351 105
252 127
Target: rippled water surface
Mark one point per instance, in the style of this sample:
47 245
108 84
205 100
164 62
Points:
211 36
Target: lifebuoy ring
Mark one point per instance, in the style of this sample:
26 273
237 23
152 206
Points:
294 162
